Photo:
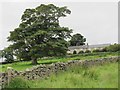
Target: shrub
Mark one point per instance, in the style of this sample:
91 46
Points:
80 52
100 50
18 82
74 52
113 48
96 50
103 50
87 51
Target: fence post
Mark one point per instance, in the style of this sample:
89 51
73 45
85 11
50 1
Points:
9 71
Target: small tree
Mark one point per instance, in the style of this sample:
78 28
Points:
77 40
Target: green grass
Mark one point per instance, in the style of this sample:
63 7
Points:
105 76
20 66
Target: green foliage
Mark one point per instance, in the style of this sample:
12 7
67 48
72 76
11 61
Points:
40 34
100 50
7 54
18 82
74 52
77 40
80 52
87 51
103 50
96 50
113 48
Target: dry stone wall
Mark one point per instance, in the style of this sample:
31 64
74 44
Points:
42 71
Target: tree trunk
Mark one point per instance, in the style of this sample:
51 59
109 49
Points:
34 61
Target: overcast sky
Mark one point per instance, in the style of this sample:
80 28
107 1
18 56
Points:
96 21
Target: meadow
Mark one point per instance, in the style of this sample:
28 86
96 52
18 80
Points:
103 76
20 66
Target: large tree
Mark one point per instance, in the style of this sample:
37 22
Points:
40 34
77 40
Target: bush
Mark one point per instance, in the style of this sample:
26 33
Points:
100 50
80 52
74 52
113 48
18 82
87 51
96 50
103 50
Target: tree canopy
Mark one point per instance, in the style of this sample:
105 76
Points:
77 40
40 34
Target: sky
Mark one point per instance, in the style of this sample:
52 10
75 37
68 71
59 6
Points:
96 21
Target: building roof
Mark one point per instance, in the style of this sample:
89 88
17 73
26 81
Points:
88 46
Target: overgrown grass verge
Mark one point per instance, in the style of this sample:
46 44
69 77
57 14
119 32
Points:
104 76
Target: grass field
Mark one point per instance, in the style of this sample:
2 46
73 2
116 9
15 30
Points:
20 66
105 76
